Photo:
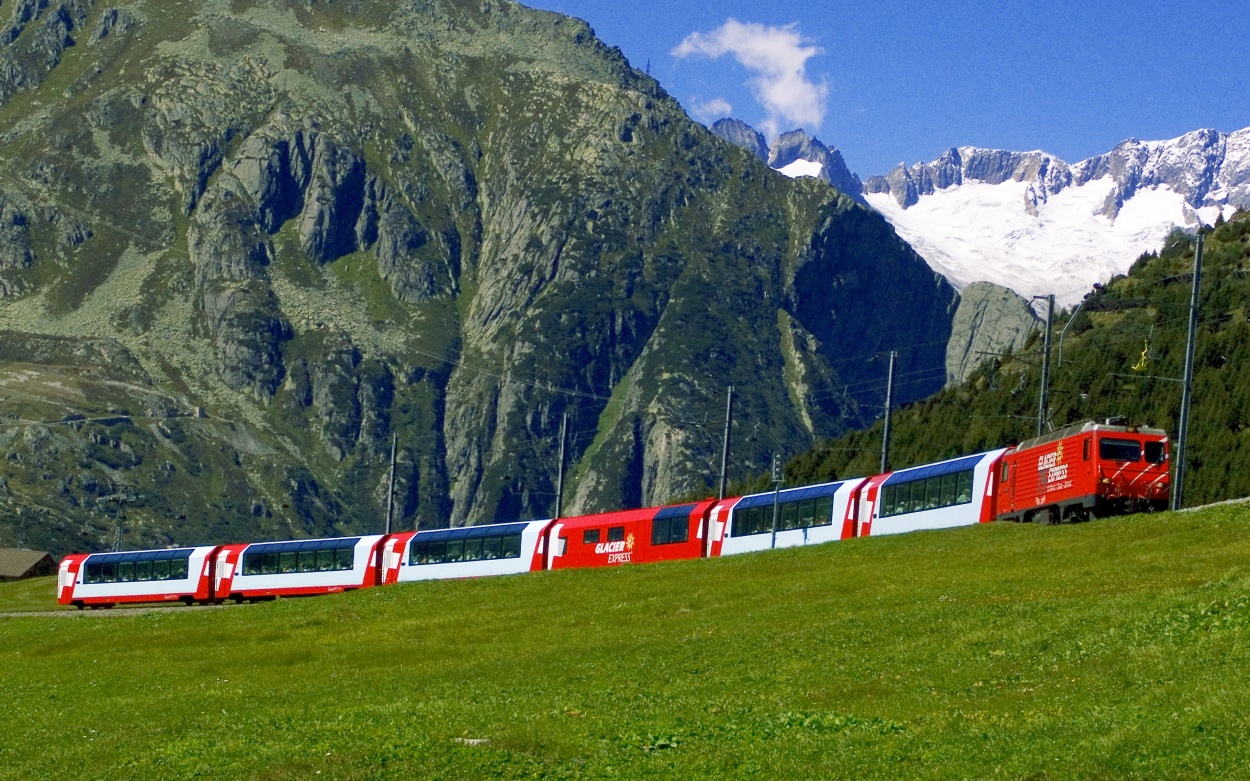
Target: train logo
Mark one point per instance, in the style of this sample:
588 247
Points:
1051 469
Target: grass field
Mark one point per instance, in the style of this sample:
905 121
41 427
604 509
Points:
1114 649
23 596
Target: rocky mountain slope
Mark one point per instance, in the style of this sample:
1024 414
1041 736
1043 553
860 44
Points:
245 242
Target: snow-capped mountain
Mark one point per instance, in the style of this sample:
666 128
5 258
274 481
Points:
1030 221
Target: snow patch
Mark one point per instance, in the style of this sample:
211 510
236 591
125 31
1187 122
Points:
801 168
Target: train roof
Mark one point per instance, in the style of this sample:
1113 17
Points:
1086 427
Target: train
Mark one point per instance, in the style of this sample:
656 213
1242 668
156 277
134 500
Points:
1087 470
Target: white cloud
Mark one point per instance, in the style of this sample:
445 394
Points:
712 110
777 56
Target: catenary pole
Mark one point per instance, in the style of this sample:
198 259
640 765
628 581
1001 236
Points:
564 430
889 407
1043 402
1182 434
776 496
724 453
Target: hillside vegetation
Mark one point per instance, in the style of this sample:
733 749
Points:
1114 649
1121 357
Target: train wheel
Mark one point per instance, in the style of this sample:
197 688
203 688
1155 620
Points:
188 601
78 603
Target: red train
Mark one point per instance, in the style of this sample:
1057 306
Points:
1086 470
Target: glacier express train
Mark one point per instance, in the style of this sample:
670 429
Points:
1085 470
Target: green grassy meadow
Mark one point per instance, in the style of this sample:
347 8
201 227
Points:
1114 649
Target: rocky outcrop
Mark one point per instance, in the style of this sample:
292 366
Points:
35 41
989 321
739 133
15 248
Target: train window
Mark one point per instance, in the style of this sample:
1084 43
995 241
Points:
789 516
455 550
1006 472
490 547
807 513
616 533
1156 453
949 489
917 496
178 569
160 570
963 493
1119 449
669 530
143 570
933 493
286 561
590 537
346 558
824 511
1085 449
307 561
473 549
126 572
438 551
511 546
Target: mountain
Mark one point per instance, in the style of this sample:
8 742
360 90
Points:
1031 222
244 245
794 154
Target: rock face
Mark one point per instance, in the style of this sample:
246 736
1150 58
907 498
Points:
990 320
295 230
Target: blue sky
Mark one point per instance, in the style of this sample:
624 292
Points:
904 80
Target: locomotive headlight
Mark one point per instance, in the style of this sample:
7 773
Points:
1105 481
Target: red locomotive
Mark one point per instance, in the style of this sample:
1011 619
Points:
1084 470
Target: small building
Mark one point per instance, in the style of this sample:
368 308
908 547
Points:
18 563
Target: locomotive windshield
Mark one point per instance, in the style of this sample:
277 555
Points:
1155 452
1119 450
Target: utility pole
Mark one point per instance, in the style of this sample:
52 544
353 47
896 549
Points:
1182 436
776 496
1043 404
889 405
564 429
724 453
390 490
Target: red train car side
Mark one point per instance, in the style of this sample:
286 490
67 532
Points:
1083 470
628 537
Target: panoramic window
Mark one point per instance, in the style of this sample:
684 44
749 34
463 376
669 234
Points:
138 567
271 562
930 493
792 514
482 548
